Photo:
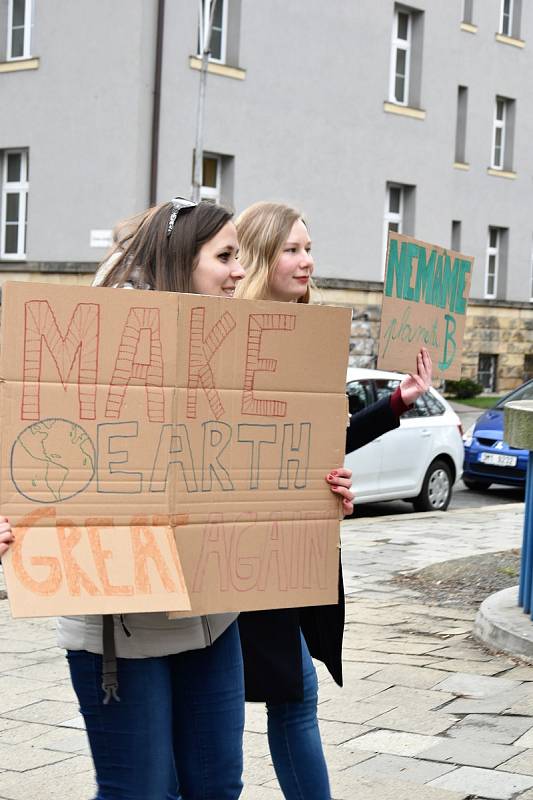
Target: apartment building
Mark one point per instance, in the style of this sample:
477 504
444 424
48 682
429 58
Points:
368 116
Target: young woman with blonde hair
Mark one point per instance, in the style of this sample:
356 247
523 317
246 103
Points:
275 251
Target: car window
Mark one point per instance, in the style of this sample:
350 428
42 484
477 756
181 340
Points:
360 395
522 393
385 388
419 409
436 408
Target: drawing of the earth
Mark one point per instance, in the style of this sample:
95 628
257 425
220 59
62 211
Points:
52 460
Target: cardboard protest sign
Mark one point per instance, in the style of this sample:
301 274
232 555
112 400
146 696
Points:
425 296
128 416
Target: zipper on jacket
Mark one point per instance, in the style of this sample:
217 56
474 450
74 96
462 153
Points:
207 630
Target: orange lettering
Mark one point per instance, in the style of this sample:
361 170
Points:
145 547
68 537
100 556
48 585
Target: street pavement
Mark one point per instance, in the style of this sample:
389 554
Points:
425 712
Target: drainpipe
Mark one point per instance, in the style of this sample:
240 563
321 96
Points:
157 101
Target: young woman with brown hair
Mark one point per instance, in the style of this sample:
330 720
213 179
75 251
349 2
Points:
172 727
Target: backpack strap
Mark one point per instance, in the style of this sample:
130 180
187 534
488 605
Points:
109 660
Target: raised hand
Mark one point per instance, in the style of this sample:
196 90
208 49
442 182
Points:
414 385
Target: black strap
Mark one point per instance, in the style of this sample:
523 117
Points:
109 660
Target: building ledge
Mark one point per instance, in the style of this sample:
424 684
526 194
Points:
510 40
501 173
346 283
76 267
468 27
461 165
218 69
19 65
403 111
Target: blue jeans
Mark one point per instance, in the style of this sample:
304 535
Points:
179 723
294 739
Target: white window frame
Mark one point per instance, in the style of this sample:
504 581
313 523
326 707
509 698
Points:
28 21
492 251
392 216
509 31
212 193
400 44
205 9
499 124
20 188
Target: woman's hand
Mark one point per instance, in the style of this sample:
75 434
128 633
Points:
6 535
340 482
413 385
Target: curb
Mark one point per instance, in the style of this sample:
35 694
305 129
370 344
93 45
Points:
515 507
502 625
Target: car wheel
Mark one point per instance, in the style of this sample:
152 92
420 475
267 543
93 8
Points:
437 488
476 486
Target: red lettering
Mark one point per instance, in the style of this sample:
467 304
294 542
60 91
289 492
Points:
139 360
258 323
201 351
80 344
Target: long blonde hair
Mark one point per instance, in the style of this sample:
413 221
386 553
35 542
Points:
263 229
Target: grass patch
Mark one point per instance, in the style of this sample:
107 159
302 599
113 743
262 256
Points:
477 402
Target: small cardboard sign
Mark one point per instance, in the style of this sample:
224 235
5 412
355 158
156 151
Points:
164 451
425 295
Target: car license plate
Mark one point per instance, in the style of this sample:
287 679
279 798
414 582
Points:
498 460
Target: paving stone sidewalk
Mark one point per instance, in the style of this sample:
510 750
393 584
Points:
425 712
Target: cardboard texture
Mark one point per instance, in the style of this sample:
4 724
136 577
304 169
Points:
425 295
128 415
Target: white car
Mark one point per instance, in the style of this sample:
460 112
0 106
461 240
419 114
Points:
419 461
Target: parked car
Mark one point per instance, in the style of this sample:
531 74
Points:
488 458
419 461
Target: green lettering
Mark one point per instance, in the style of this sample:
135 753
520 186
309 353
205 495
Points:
412 252
424 273
449 283
390 334
433 298
396 268
460 300
449 342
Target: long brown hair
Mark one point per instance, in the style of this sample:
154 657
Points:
147 257
263 229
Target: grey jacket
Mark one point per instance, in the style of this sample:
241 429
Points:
143 635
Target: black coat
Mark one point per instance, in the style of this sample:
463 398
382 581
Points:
271 639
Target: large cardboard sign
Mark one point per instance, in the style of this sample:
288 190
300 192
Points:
160 448
424 305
